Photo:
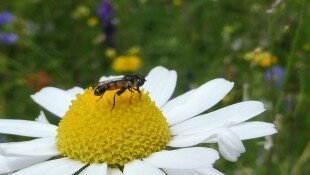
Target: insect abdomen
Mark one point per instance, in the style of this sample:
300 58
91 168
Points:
115 85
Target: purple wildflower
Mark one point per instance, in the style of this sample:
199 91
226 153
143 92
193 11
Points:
8 38
106 15
6 17
275 76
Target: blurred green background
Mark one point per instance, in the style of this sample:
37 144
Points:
262 46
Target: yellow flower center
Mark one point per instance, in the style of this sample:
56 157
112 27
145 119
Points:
93 133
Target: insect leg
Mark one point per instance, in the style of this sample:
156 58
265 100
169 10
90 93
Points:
100 97
119 92
132 93
137 89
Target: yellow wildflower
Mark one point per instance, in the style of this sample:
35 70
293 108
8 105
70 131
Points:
228 29
110 52
177 2
126 63
98 39
134 50
80 12
306 47
261 57
92 21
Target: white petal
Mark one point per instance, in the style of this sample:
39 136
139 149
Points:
202 99
229 115
189 140
27 128
38 147
250 130
154 77
186 158
179 100
227 152
181 172
95 169
204 171
55 100
165 90
204 137
42 118
244 130
10 164
230 145
75 90
209 171
63 166
160 82
114 171
137 167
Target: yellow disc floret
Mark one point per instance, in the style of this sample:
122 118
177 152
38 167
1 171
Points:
93 133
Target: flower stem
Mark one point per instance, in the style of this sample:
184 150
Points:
291 57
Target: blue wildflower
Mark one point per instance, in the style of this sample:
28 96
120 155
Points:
8 38
275 76
106 15
6 18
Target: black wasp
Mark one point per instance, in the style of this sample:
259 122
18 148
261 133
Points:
131 82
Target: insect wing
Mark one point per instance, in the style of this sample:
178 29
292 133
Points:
109 81
110 77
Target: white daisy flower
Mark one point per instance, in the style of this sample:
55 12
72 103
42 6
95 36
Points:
149 136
